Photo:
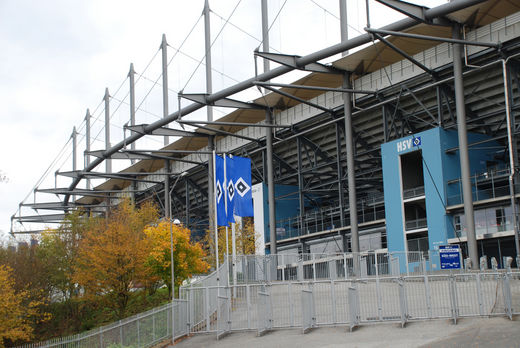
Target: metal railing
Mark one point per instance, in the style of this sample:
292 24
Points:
141 330
301 267
416 224
292 304
488 226
413 192
488 185
326 289
328 218
203 298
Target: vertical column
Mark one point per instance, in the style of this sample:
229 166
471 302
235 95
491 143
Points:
349 140
512 153
164 51
385 123
131 77
74 148
301 197
270 182
212 216
209 110
463 148
440 115
343 22
340 177
265 33
167 215
87 144
74 138
187 189
167 198
207 45
106 98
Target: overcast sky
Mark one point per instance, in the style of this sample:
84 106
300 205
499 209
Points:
59 55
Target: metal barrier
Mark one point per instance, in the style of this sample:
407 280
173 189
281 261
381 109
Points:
354 301
306 304
202 299
141 330
308 310
251 269
265 312
223 314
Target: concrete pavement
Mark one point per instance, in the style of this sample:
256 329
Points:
471 332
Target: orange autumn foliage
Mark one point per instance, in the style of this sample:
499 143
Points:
112 255
18 313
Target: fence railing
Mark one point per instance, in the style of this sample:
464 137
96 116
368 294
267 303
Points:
300 267
307 304
203 299
141 330
312 290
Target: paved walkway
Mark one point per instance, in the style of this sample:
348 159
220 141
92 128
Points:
494 332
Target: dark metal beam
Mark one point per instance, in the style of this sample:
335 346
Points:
456 148
303 101
313 88
221 132
165 151
164 131
236 124
292 61
122 176
202 98
414 11
432 38
405 55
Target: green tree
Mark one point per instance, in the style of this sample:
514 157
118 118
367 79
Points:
58 251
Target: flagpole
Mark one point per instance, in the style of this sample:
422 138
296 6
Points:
225 205
215 210
234 251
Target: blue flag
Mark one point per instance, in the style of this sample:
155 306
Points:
230 188
243 198
224 190
220 191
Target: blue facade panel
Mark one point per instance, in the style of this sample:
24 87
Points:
287 206
439 168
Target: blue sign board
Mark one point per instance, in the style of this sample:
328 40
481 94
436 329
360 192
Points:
449 256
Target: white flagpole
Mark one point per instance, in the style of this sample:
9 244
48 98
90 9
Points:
215 212
234 251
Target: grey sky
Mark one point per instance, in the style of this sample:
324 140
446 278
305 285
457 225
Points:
59 55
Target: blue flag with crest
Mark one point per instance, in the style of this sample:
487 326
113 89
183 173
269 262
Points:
220 191
224 190
243 198
230 187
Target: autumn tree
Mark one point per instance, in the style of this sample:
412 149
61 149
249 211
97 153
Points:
18 312
187 256
245 237
58 250
112 255
28 269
